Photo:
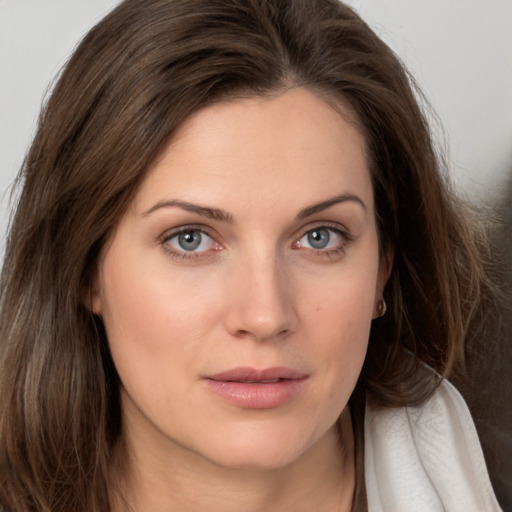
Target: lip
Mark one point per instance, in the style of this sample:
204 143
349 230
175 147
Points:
252 388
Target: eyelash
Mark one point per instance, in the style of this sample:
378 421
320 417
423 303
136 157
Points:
330 254
333 253
187 255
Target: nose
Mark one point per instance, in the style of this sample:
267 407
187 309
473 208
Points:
261 304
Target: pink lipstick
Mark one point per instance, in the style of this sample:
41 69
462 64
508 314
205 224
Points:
250 388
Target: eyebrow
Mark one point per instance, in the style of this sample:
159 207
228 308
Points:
319 207
204 211
223 216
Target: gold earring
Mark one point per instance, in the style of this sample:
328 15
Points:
381 307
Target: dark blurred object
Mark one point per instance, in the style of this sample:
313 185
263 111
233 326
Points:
487 384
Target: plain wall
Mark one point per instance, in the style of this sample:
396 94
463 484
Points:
36 39
460 53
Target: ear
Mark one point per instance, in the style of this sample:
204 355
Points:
92 296
385 266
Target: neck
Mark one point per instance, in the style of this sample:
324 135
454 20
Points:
321 479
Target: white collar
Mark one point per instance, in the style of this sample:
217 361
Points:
426 458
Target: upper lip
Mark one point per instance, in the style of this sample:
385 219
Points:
248 374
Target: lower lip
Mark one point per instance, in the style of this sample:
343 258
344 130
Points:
257 396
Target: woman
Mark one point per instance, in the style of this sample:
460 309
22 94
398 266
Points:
236 276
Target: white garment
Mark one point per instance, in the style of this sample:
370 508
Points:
426 458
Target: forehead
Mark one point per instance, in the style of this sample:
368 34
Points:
292 146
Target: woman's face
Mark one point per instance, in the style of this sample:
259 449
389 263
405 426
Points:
238 289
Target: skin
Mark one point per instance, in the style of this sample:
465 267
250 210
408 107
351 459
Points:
256 293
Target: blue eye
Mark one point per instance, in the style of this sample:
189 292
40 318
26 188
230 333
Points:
190 240
322 238
319 238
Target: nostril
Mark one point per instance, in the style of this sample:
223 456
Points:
260 335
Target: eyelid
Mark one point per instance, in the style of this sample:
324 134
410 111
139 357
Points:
334 226
169 233
182 254
322 254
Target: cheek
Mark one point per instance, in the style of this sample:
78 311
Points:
342 300
157 321
336 322
339 319
141 292
344 331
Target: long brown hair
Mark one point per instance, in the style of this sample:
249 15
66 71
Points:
133 79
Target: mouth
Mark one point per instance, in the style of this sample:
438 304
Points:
250 388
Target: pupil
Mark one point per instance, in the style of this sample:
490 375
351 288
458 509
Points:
189 240
319 238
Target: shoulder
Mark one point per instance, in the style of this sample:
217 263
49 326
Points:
426 458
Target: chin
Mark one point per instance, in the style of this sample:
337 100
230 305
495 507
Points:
259 449
259 459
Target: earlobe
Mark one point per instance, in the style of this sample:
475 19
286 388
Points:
385 266
381 308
